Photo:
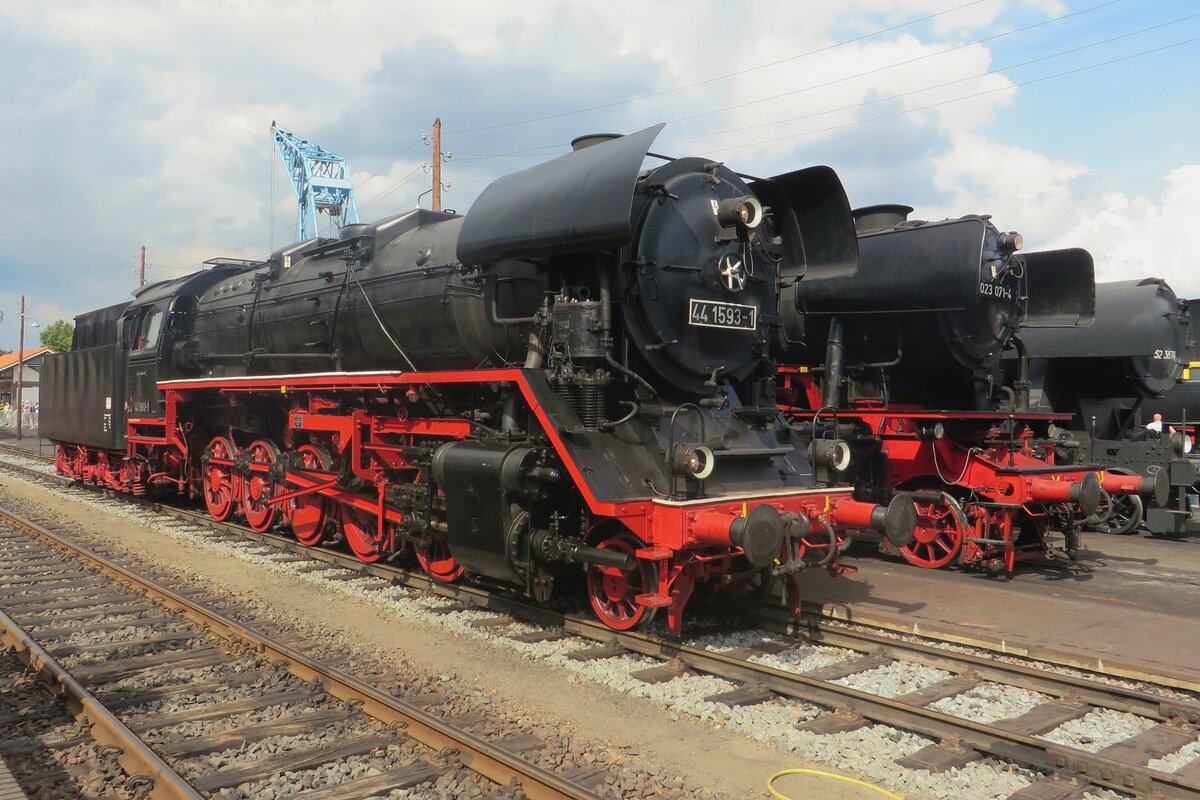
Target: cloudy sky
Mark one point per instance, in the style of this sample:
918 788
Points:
129 123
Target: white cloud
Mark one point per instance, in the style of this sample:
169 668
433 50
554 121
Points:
147 122
1056 204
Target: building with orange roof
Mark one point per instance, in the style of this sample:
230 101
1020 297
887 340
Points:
30 361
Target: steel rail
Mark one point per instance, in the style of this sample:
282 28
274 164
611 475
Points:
1058 685
821 620
475 753
145 768
940 726
937 725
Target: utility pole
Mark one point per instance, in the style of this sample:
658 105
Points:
142 268
20 367
437 164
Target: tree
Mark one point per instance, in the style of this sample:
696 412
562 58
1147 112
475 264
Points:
57 335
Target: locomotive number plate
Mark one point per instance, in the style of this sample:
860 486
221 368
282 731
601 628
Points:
715 314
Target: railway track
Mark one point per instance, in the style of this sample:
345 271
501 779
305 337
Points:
766 670
171 682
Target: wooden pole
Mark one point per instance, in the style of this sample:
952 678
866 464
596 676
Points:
142 268
20 366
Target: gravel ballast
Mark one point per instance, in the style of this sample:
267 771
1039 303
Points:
868 751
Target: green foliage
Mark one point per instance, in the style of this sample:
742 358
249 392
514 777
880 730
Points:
57 335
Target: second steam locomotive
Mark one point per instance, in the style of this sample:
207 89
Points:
902 359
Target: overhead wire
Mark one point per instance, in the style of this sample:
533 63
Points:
270 236
379 171
894 65
903 112
546 150
408 177
942 85
959 99
716 78
535 151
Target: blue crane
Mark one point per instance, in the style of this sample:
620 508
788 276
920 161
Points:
321 180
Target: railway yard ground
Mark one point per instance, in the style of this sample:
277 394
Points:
1125 608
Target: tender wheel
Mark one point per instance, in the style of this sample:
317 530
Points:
361 531
939 536
220 478
63 463
258 487
1125 515
438 563
1102 512
613 593
309 513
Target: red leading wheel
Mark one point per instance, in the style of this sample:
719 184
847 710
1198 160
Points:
309 513
437 561
362 533
258 487
939 536
613 593
220 479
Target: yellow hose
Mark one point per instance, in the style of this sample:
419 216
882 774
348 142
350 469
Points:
832 776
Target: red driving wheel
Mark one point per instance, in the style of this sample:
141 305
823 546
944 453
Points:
309 513
362 533
939 537
613 593
258 487
220 479
437 561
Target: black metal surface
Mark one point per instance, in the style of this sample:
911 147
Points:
760 534
900 520
349 306
680 246
936 266
1180 401
870 219
479 516
628 463
96 328
812 214
929 298
82 398
576 202
1061 285
1135 348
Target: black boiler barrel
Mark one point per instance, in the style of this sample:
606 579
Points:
1137 346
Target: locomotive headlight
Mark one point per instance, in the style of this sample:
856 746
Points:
928 433
1181 443
1051 430
694 460
831 454
1010 242
744 211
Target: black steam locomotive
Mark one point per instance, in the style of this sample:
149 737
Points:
903 357
577 371
931 309
1136 351
1180 405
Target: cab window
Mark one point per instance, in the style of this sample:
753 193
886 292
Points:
147 334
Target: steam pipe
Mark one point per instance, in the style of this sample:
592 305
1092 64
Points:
551 547
1021 384
534 357
835 356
